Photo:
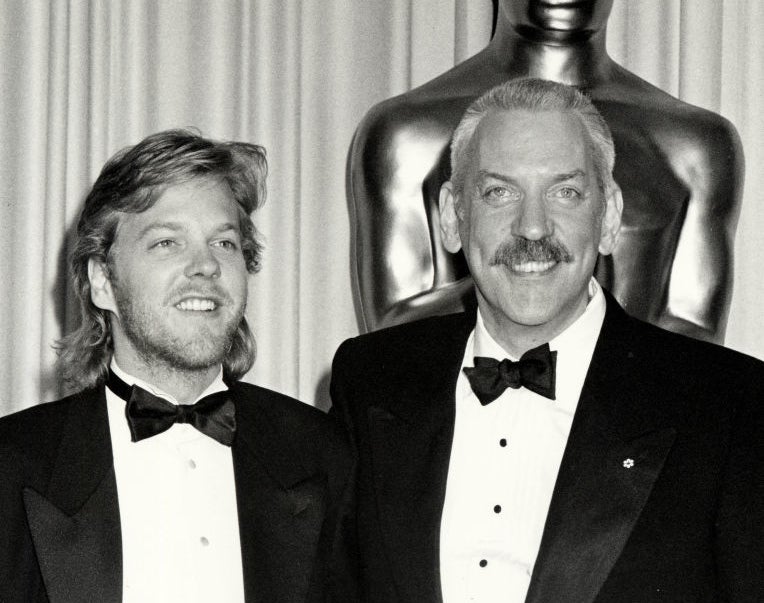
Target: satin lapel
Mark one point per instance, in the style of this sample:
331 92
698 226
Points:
280 508
615 452
410 441
75 523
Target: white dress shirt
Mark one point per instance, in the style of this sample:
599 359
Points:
504 463
177 507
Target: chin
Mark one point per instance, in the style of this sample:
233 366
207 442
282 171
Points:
534 306
188 353
194 363
205 353
531 318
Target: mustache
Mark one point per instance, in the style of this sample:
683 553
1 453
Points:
520 251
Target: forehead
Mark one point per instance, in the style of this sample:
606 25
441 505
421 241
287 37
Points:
522 142
198 202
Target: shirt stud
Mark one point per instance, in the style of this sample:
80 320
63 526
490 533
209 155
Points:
628 463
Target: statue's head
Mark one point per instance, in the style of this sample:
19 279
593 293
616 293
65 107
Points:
556 20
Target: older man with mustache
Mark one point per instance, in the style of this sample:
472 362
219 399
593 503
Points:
547 446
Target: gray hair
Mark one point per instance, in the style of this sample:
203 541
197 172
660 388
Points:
536 95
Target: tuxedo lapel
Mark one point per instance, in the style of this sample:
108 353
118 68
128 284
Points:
410 495
75 523
410 437
614 454
280 503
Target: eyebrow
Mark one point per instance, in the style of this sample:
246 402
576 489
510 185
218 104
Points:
174 226
177 226
483 174
577 173
226 226
570 175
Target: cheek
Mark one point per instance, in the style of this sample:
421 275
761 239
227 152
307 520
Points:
580 233
488 231
242 285
238 278
151 282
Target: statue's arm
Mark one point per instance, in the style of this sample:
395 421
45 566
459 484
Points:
391 251
710 161
436 301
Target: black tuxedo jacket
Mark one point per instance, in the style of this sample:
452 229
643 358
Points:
685 523
60 538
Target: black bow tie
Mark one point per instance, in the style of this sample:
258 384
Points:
535 370
148 415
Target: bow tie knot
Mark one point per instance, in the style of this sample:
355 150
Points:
535 371
184 414
149 415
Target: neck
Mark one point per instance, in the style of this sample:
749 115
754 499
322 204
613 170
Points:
516 338
576 58
519 340
183 385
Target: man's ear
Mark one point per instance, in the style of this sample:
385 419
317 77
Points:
101 292
611 220
449 220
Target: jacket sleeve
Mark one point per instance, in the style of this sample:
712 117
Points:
740 520
20 578
343 585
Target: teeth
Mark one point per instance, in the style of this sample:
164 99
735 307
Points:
196 305
533 266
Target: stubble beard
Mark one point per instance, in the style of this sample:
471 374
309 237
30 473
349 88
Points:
159 345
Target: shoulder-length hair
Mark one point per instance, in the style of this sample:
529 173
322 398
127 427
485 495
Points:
131 182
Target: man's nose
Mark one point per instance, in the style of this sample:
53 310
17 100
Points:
532 219
202 262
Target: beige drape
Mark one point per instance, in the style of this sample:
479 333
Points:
81 78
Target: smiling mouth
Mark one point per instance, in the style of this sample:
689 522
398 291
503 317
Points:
196 305
533 267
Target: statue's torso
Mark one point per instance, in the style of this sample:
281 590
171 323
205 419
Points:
405 141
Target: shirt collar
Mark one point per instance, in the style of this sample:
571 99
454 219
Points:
217 385
574 347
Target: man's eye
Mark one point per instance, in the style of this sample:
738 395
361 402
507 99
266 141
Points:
566 193
497 195
227 244
164 243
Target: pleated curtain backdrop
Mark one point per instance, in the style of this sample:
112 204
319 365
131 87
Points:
83 78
